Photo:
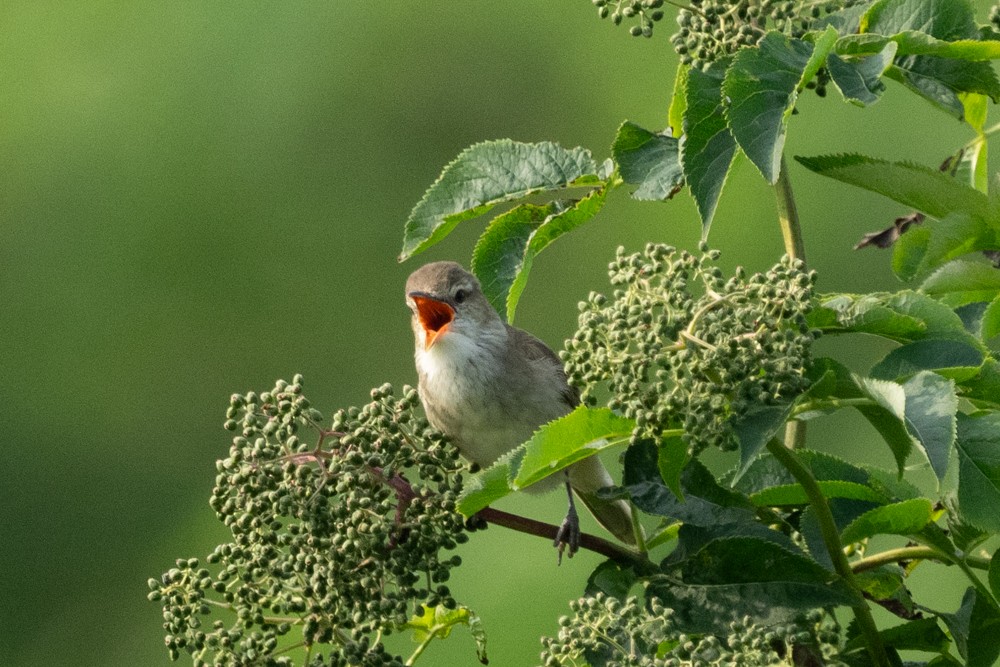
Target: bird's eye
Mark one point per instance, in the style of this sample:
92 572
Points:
460 295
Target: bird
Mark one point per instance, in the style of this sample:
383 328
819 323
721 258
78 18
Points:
489 386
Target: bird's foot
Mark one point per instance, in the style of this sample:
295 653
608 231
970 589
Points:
568 534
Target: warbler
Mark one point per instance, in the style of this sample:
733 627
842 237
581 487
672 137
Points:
489 386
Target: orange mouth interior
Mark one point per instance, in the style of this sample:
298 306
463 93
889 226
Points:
435 317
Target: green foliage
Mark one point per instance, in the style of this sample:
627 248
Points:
338 543
680 346
331 546
612 633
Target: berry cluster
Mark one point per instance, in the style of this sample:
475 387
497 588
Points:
606 631
329 538
645 12
713 29
679 345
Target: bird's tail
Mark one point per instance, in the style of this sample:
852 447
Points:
586 477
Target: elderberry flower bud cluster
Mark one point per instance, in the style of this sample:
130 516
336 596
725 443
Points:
680 346
713 29
643 12
609 632
331 544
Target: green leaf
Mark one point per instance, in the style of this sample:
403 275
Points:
438 622
649 161
487 174
860 81
948 357
710 608
931 405
504 254
909 253
866 313
903 518
794 494
612 579
904 317
755 428
945 19
707 147
990 327
913 185
979 470
962 281
762 85
888 416
750 559
678 100
490 484
975 628
671 459
941 80
564 441
916 43
705 502
984 389
954 236
994 574
923 634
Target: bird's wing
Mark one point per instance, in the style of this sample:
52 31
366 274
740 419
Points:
536 351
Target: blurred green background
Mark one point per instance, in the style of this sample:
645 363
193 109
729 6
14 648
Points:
198 198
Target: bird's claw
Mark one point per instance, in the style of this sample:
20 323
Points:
568 534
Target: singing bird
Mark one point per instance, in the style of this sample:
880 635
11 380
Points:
489 386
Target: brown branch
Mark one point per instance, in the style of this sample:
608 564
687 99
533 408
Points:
615 552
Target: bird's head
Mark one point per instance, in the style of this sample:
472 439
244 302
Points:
447 301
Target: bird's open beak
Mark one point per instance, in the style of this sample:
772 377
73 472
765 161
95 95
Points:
435 316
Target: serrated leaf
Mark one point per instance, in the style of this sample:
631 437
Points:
794 494
750 559
954 236
649 161
955 359
940 81
860 80
922 634
888 416
755 428
707 147
612 579
487 174
917 43
705 502
564 441
944 19
504 254
909 251
963 281
678 100
983 390
767 472
711 608
672 457
915 186
931 405
990 325
847 20
490 484
866 313
762 86
978 446
439 621
975 628
904 317
903 518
